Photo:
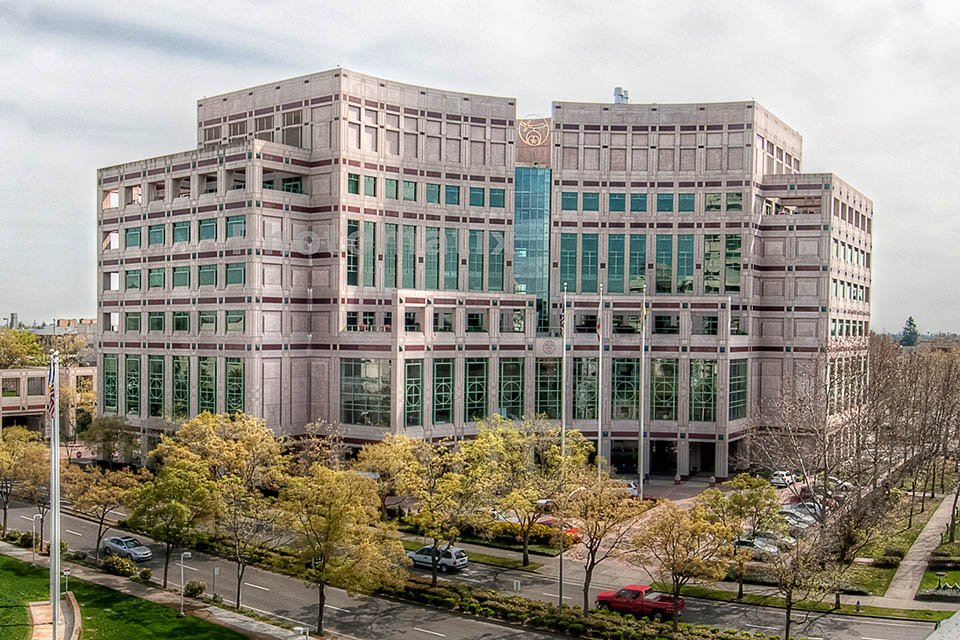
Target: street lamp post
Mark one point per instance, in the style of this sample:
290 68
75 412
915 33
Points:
33 528
186 555
562 539
6 486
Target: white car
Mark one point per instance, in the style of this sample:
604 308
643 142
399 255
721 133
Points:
127 547
782 479
451 558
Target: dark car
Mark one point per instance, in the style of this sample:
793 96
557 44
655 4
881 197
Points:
633 599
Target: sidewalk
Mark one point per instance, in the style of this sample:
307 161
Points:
907 579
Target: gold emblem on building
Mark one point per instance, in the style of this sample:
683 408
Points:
534 132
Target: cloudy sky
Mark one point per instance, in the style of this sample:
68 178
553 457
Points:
872 87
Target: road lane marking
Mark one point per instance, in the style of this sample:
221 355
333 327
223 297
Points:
256 586
759 626
26 518
330 606
433 633
554 595
188 568
73 532
472 580
897 624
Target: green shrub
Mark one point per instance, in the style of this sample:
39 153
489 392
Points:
26 539
79 556
944 563
194 589
145 575
886 562
120 566
11 535
894 550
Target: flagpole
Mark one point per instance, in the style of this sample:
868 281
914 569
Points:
643 387
563 428
55 490
600 384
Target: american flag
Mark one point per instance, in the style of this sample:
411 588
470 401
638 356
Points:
51 389
599 316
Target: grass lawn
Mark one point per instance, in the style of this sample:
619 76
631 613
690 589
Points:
872 579
930 578
107 614
482 558
901 536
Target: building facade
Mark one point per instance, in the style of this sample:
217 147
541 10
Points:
24 397
394 257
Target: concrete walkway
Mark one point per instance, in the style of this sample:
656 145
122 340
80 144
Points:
907 579
41 614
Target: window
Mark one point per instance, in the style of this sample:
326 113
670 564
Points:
738 390
365 392
155 278
413 393
497 198
738 325
207 321
132 279
131 237
475 261
585 388
181 321
408 263
131 322
370 186
431 265
665 203
511 388
731 272
475 397
638 202
207 275
617 202
589 263
443 321
155 235
569 201
207 229
591 202
638 263
452 194
685 202
711 263
495 267
207 384
475 322
390 255
712 202
131 370
476 196
236 321
451 260
155 321
512 321
666 323
236 226
235 385
111 366
705 325
703 390
627 323
353 183
353 253
433 193
568 261
391 189
181 277
664 387
664 272
615 263
369 252
443 391
685 263
734 201
626 388
35 386
11 388
292 184
409 191
236 273
548 388
181 386
181 232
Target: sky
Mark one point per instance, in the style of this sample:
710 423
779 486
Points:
872 87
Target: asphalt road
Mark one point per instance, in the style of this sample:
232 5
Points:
374 618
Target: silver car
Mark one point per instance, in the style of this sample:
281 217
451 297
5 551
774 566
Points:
127 547
451 558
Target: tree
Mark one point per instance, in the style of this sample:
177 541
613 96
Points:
528 467
322 442
75 350
910 336
35 479
112 438
14 442
389 459
20 349
678 545
96 492
335 516
77 406
800 574
752 503
604 511
172 506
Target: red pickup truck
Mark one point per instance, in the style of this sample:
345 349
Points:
633 599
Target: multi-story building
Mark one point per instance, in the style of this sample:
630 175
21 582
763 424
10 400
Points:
393 257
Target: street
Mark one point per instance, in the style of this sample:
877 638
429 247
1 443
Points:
375 618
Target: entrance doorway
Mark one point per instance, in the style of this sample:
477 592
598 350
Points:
663 457
703 457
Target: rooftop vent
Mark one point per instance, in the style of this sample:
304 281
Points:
621 96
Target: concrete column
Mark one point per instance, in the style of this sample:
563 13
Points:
683 457
722 462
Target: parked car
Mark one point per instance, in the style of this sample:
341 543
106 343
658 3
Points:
781 479
127 547
451 558
808 508
634 599
797 521
568 528
760 549
779 540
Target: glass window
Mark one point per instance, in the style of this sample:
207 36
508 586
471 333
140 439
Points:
591 202
638 202
664 273
738 326
738 389
443 390
131 237
626 388
236 321
131 322
475 261
495 268
409 191
663 402
365 392
181 386
155 235
665 323
353 253
391 189
568 261
497 198
476 322
511 388
207 274
433 193
111 364
131 279
155 321
589 263
703 390
235 385
615 263
638 262
475 398
292 185
617 202
181 321
665 202
685 263
431 264
451 260
207 229
36 386
207 321
370 186
569 200
452 194
712 202
155 278
181 277
131 371
353 183
685 202
413 393
443 321
734 201
585 388
711 263
706 325
476 196
369 253
390 255
207 384
409 262
731 272
236 226
236 273
548 387
181 232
